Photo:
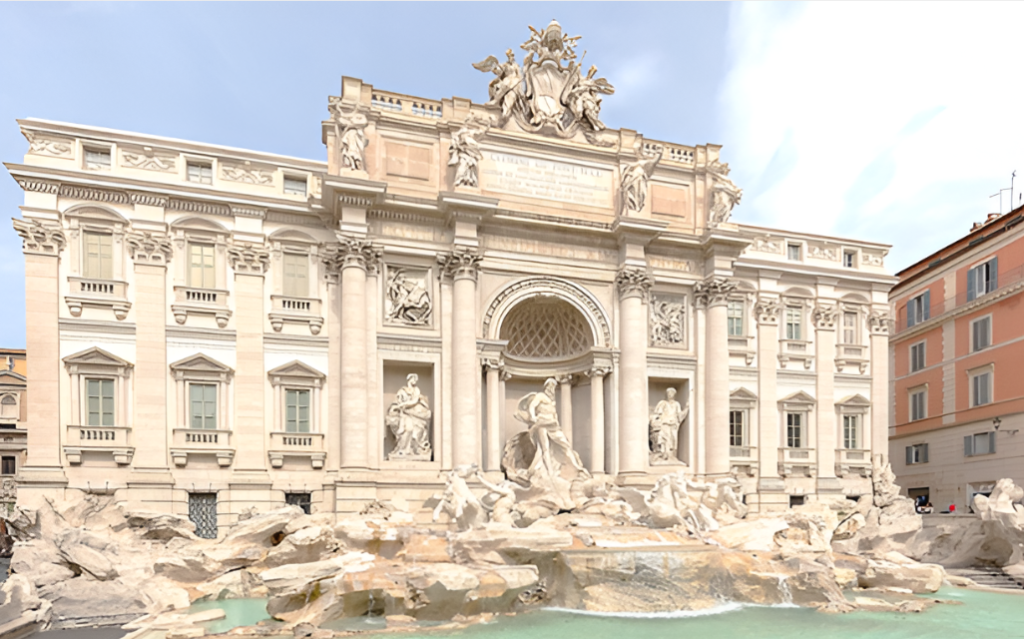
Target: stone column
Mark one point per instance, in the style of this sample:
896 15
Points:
713 295
824 317
634 286
374 403
249 434
596 375
878 323
42 244
461 265
332 433
495 399
565 399
151 252
767 310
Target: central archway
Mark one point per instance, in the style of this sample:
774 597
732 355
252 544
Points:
546 329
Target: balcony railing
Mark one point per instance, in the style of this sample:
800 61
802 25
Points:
796 455
1009 279
300 310
797 349
742 452
84 291
308 445
853 461
406 104
99 439
194 441
189 300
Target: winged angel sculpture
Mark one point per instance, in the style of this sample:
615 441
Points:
549 91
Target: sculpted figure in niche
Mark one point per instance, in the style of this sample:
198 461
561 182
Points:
408 300
665 421
353 137
724 194
408 419
465 154
538 411
635 177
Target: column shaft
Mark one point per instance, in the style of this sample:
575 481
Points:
565 414
494 402
250 433
597 421
465 373
716 389
880 393
42 344
633 446
353 365
333 430
825 355
149 426
767 408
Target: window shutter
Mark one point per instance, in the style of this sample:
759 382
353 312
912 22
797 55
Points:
993 275
972 276
926 305
924 453
992 441
910 455
968 445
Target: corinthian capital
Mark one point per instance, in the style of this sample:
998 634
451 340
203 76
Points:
149 248
824 317
39 238
713 291
767 310
352 252
878 322
633 281
463 262
251 259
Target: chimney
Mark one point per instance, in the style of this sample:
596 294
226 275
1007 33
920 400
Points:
992 216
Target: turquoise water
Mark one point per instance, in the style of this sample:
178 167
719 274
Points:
237 612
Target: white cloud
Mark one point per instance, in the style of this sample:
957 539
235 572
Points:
891 122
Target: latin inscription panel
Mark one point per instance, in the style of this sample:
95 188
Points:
546 179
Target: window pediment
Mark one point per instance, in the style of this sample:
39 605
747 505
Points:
296 373
854 401
96 359
10 377
742 397
799 400
201 366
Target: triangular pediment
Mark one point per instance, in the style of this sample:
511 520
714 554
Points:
742 394
857 400
295 368
95 356
10 377
799 397
200 363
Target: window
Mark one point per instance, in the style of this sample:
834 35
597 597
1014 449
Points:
917 357
918 404
201 266
9 407
793 252
849 259
737 428
201 173
796 500
296 410
850 326
794 430
794 322
919 309
99 256
917 454
981 389
981 333
8 465
203 406
982 279
980 444
302 500
97 159
99 402
735 315
295 184
851 432
296 275
202 511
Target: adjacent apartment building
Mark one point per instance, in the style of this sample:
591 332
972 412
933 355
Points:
957 362
13 410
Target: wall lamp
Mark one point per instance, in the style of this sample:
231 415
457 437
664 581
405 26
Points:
996 422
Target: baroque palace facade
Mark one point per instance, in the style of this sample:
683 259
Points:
221 328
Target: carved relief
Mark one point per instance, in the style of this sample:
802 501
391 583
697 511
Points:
407 300
460 263
246 173
724 194
633 281
765 244
465 154
820 252
713 291
353 137
53 147
871 259
149 161
636 177
824 317
767 310
149 248
668 321
408 419
40 238
249 258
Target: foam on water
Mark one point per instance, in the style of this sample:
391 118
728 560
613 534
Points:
675 614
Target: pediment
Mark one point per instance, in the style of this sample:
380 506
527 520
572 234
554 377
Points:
742 394
96 356
294 369
200 363
799 397
855 401
10 377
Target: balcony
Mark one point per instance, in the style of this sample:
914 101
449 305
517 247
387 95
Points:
200 301
110 440
797 462
308 445
851 461
1008 283
97 293
740 346
298 310
743 460
851 355
795 349
195 442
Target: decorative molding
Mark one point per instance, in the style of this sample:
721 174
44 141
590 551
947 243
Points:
765 244
241 210
879 323
248 259
667 321
633 281
871 259
462 262
52 147
407 299
246 173
39 186
519 291
94 194
714 291
149 248
352 252
149 161
493 363
148 199
205 208
767 310
824 317
40 239
821 252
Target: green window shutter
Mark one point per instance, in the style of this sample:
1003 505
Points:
303 417
992 441
910 455
993 275
926 305
291 418
924 453
968 445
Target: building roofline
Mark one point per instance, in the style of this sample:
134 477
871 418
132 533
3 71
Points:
798 234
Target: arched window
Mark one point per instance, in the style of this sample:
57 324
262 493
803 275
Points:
9 408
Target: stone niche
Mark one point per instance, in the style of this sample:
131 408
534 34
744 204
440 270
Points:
395 377
656 392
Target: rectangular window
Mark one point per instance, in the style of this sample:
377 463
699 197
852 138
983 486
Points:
99 402
296 275
981 389
918 405
917 454
296 409
851 432
201 173
295 185
919 309
849 259
202 511
99 256
97 158
980 444
737 428
8 465
201 266
794 430
981 333
850 328
302 500
917 357
202 406
982 279
793 252
735 315
794 322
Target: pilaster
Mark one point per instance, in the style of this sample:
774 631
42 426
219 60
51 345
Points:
767 310
824 319
634 287
879 326
712 295
460 266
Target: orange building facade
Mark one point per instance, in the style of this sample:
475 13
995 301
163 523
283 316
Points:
957 361
13 412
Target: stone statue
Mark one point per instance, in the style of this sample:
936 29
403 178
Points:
670 504
459 502
500 501
538 412
724 194
408 418
635 178
505 90
665 421
465 154
667 322
408 300
581 96
353 137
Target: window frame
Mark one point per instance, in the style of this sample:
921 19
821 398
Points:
211 270
911 393
801 433
990 269
94 363
856 339
90 164
86 397
799 311
744 415
790 246
4 459
203 369
971 443
974 323
975 374
201 165
108 260
204 414
923 347
852 255
296 375
858 436
292 255
295 179
733 304
919 308
913 456
16 402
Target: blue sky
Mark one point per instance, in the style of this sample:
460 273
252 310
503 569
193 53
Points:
836 118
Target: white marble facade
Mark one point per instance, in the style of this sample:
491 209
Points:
257 326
